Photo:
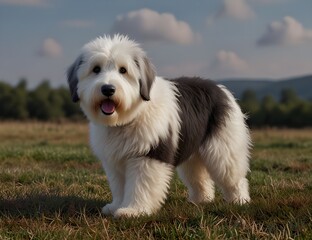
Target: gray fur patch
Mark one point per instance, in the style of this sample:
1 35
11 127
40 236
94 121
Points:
204 110
72 78
147 78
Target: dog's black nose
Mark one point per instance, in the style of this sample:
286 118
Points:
108 90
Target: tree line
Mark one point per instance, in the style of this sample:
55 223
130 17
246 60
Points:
45 103
288 111
42 103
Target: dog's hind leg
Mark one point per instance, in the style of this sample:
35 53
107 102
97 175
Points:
146 187
227 162
195 177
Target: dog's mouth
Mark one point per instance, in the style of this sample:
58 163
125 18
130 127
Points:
108 106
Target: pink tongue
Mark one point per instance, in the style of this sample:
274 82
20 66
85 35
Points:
108 106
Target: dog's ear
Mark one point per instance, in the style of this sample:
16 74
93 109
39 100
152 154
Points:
148 73
72 78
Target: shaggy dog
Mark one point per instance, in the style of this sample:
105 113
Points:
143 126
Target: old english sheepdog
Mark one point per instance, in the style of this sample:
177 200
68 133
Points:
142 126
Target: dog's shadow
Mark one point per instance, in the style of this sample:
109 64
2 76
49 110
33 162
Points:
33 206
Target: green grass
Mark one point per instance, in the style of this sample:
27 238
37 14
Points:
51 187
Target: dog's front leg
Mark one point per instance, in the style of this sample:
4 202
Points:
115 177
146 186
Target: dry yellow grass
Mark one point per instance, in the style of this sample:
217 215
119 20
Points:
277 134
57 133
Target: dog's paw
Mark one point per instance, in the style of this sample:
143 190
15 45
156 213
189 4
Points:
239 199
205 196
242 200
128 212
108 209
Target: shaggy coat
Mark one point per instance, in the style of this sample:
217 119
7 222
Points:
143 126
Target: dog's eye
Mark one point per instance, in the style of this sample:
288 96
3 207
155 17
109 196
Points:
96 69
122 70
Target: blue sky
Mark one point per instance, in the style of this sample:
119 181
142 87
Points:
214 39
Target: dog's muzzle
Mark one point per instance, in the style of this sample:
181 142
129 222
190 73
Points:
108 105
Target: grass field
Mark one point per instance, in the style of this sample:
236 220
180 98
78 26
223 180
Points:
51 187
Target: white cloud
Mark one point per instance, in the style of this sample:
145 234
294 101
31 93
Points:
31 3
227 64
77 23
149 26
50 48
285 32
235 9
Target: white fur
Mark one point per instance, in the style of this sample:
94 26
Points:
139 184
226 159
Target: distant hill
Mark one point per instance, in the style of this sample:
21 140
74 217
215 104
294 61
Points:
262 87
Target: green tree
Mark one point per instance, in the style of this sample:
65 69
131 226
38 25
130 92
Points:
6 99
268 104
45 103
289 96
70 109
250 105
13 101
249 101
301 114
21 94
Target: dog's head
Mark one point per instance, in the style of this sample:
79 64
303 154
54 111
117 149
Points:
111 79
